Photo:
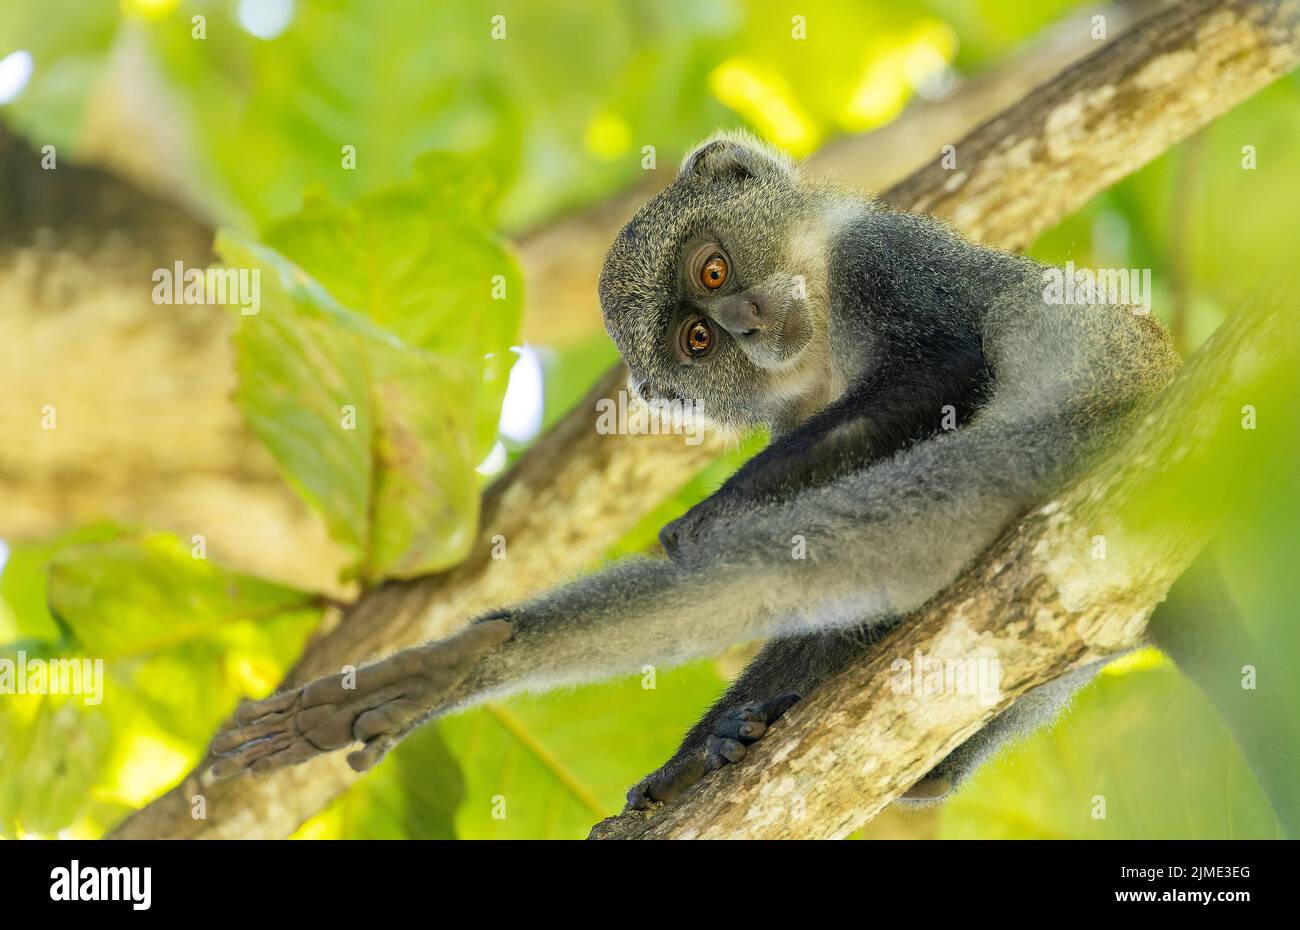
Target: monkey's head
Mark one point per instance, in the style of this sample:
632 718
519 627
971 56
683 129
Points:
714 292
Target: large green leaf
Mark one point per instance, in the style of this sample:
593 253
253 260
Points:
419 259
53 750
374 432
133 597
24 614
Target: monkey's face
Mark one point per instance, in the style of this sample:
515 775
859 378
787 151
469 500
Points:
705 290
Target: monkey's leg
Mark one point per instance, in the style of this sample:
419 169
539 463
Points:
784 671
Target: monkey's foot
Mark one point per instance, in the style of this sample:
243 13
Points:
376 705
728 742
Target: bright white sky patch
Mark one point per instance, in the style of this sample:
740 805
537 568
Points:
521 412
265 19
15 72
4 554
495 461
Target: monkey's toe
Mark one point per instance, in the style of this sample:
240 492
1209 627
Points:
741 727
721 750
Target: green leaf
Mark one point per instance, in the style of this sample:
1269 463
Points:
419 259
133 597
550 766
373 432
52 750
24 614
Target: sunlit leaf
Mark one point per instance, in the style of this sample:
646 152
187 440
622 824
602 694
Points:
419 259
135 597
376 433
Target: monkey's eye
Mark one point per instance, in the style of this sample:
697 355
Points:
697 338
714 273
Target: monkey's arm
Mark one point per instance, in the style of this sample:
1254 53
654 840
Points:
897 404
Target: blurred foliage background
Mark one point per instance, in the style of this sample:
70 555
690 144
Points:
461 142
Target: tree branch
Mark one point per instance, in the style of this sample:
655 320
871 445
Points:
576 492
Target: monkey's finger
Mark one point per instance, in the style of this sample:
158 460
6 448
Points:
241 760
253 711
747 712
230 740
297 751
369 755
386 718
738 728
637 798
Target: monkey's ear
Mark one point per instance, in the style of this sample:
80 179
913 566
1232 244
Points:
735 157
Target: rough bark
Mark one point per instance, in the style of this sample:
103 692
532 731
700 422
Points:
1037 604
576 492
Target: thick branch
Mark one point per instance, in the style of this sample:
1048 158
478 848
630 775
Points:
575 492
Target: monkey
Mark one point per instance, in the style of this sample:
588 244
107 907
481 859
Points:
921 394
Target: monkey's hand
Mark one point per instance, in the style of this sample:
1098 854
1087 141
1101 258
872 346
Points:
727 742
377 705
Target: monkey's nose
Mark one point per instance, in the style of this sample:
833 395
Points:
739 314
